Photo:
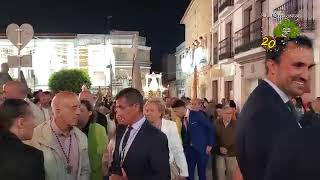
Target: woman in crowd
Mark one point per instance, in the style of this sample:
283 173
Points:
97 139
18 160
154 111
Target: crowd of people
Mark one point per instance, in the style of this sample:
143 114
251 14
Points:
68 136
72 137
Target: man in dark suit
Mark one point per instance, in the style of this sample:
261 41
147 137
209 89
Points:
198 138
268 112
141 151
17 160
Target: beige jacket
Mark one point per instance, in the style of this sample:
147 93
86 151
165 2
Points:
43 139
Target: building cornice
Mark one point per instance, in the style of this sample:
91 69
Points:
187 11
251 58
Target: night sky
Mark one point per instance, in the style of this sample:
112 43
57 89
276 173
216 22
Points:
158 20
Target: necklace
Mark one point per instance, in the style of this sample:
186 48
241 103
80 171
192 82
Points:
69 167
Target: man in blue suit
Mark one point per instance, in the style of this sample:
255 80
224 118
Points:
197 137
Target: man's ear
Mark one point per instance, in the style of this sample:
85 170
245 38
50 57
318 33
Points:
19 122
271 65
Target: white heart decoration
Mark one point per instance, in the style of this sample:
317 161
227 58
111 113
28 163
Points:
26 34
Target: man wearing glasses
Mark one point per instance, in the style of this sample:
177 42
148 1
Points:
226 159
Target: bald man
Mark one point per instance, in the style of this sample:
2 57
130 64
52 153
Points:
16 90
64 146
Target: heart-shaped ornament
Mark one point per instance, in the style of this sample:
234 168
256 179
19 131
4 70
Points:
25 37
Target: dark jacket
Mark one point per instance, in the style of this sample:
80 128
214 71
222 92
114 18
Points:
19 161
148 156
310 118
263 119
101 119
296 156
226 137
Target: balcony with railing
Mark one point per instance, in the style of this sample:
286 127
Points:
250 36
222 4
303 9
225 48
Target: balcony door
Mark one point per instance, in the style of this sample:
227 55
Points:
247 18
229 38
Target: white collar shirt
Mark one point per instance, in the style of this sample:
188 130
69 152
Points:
283 95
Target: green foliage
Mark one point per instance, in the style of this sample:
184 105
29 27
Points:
69 80
286 28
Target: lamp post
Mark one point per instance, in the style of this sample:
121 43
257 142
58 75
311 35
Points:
111 77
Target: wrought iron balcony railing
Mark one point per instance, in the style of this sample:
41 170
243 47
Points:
250 36
224 3
301 9
226 48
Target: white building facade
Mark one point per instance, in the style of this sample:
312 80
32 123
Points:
89 52
239 26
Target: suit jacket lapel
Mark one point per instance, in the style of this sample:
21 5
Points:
278 100
119 133
136 143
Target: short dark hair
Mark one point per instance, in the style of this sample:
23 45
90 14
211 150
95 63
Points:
11 109
282 44
178 103
219 106
89 107
132 95
87 104
232 104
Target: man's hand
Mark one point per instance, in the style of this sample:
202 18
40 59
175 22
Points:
110 150
117 177
209 148
223 151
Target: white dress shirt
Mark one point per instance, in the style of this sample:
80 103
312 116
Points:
176 153
135 129
283 95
